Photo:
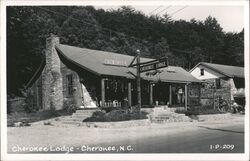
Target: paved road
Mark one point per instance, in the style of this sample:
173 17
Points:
189 137
206 139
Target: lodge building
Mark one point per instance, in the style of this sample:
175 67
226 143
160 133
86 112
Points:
91 78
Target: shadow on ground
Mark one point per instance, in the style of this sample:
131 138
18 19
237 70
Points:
225 130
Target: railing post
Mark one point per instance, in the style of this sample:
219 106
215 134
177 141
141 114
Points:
103 91
129 95
186 95
151 94
170 94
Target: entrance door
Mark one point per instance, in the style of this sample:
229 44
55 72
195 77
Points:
178 95
161 93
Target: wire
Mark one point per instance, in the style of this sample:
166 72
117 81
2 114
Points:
141 41
163 10
85 22
172 14
155 9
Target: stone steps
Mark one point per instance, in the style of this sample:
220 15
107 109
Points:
163 114
77 123
158 115
78 117
81 114
72 119
90 110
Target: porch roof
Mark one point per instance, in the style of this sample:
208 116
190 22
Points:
113 64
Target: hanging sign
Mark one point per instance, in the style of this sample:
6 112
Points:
153 66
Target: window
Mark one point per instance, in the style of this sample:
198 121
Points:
69 85
217 84
202 72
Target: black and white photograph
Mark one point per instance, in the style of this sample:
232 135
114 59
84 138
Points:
145 80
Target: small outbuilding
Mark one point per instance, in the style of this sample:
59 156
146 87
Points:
223 81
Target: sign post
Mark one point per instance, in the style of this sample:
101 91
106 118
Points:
144 67
138 73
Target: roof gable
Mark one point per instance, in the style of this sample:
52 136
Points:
227 70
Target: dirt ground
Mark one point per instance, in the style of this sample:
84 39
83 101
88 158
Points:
47 135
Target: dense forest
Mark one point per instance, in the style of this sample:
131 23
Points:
122 30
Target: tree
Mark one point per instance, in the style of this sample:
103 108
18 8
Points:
213 39
123 31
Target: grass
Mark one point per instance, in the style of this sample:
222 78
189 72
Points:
34 116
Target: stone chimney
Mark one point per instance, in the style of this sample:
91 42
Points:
54 72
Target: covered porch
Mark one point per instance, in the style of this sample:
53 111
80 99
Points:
120 92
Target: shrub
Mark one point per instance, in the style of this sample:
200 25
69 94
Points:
47 123
29 106
116 115
202 111
198 111
69 106
181 111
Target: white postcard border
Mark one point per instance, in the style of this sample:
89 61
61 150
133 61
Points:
143 156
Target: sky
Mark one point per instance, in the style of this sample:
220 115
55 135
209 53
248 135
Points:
230 18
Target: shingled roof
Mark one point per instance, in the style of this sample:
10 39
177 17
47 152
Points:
113 64
227 70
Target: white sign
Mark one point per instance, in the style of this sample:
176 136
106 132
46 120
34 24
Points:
115 62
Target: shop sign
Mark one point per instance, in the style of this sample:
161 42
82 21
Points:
115 62
157 65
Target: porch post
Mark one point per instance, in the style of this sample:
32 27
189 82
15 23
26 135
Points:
129 95
199 94
103 91
150 93
170 94
37 95
186 96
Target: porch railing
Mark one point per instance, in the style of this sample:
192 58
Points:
107 104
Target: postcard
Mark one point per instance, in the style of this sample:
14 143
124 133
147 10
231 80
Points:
124 80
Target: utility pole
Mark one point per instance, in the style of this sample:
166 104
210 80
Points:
138 79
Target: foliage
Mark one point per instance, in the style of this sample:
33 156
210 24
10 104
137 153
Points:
28 102
69 107
122 30
116 115
198 111
25 117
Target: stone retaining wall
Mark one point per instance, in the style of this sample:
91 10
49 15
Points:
212 117
210 95
121 124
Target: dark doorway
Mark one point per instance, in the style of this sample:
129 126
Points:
161 93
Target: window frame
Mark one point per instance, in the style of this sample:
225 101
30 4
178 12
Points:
69 85
218 83
202 73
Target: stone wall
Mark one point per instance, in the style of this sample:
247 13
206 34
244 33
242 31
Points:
50 81
15 105
46 85
53 70
210 94
53 82
76 97
193 94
